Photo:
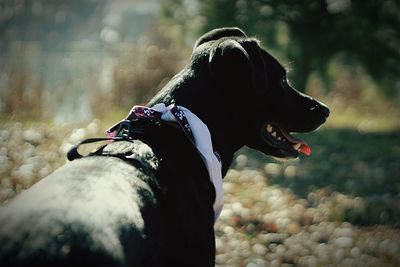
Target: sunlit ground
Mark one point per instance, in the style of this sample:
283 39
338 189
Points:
338 207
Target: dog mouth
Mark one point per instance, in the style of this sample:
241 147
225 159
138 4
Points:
284 144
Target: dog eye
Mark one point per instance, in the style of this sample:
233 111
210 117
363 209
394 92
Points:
283 82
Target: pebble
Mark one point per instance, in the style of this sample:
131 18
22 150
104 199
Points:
344 242
228 187
260 249
228 230
32 136
260 262
339 255
252 264
241 161
273 169
275 263
65 147
355 252
345 232
293 228
290 172
232 175
280 250
237 208
77 135
93 127
25 172
348 262
308 261
226 214
220 258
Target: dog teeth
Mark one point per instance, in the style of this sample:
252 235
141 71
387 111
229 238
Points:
273 133
296 146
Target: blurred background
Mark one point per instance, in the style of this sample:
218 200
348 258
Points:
69 69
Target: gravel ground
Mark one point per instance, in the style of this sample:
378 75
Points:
262 224
267 225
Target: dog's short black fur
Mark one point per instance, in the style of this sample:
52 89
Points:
156 209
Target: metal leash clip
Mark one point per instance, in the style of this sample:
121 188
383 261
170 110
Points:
124 130
127 131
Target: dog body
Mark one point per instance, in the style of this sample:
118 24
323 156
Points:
153 206
104 211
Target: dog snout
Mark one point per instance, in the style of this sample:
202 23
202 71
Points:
321 108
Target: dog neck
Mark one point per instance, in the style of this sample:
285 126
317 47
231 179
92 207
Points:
208 100
192 126
222 134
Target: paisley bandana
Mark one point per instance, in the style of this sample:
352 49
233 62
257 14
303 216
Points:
195 130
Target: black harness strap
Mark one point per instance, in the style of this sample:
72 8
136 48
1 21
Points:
126 130
74 154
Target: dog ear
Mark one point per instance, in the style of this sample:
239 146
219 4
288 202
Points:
236 65
228 58
220 33
260 77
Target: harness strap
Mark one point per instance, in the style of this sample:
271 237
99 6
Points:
122 131
73 152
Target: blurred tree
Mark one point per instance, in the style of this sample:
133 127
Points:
182 19
313 32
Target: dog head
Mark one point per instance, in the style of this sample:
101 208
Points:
242 94
257 85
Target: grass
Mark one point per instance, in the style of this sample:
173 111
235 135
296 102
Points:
352 118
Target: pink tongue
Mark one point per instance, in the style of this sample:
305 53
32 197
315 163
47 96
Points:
304 148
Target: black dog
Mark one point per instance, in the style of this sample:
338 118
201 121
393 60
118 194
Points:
149 201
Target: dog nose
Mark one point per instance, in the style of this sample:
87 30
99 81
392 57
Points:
321 108
325 110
